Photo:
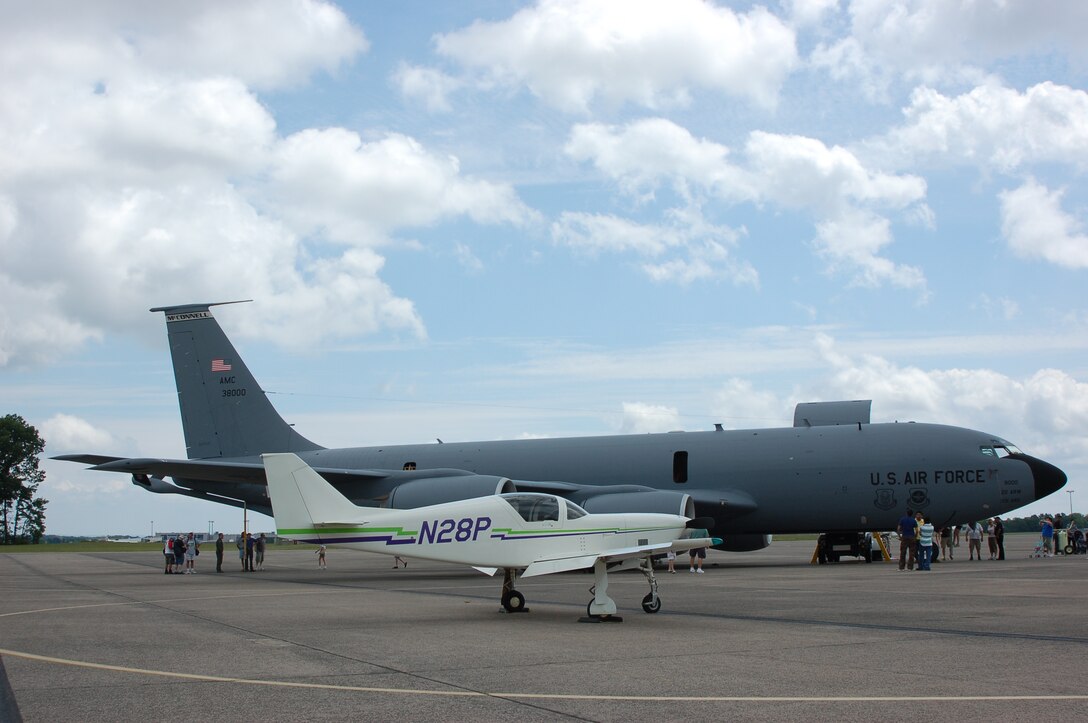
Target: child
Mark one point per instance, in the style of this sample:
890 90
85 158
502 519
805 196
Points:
320 557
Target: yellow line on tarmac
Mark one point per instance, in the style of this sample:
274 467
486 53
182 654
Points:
538 696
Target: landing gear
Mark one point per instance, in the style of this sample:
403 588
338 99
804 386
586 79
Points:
512 600
652 602
601 609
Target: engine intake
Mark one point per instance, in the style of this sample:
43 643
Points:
438 490
663 501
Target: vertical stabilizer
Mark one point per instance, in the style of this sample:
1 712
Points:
224 412
301 498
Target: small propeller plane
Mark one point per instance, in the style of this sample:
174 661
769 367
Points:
522 532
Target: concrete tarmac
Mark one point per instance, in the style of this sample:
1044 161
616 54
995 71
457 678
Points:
759 636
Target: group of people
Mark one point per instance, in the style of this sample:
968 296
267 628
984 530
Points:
180 553
696 555
921 542
1052 542
250 551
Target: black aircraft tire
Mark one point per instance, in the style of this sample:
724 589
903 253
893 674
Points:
513 601
1068 549
651 603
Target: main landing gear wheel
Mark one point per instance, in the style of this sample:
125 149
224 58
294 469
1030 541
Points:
513 601
592 617
651 603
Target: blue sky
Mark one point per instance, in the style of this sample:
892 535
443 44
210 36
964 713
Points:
493 220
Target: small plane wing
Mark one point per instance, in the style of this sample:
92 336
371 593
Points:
579 562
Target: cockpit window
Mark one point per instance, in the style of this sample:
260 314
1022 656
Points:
999 450
534 508
574 511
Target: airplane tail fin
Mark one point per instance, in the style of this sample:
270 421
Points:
301 498
224 412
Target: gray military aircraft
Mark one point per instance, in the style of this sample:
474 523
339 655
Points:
832 471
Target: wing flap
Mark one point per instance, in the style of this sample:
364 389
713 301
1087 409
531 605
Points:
559 564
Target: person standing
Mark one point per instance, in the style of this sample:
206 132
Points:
925 544
219 553
908 539
1048 536
946 543
241 543
974 539
999 533
260 551
192 549
251 544
991 537
168 553
697 554
179 554
320 557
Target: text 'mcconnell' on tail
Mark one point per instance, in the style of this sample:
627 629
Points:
302 500
224 412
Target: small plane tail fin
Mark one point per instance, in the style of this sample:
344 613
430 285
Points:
301 498
224 412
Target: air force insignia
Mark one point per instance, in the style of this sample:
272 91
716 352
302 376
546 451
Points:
885 499
919 498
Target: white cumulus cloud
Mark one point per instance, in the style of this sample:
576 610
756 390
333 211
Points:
574 54
935 40
1035 226
845 199
142 168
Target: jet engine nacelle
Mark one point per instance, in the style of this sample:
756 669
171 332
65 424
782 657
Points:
154 484
439 490
743 543
672 503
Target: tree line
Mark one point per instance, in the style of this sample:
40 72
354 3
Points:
22 512
1032 524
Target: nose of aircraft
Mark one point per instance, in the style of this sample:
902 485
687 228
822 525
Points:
1048 478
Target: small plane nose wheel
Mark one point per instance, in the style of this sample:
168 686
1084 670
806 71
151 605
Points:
513 601
651 603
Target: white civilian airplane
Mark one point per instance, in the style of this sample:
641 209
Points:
526 532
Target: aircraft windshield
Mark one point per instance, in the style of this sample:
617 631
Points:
534 508
574 511
999 450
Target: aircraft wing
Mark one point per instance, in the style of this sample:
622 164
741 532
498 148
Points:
94 459
579 562
206 469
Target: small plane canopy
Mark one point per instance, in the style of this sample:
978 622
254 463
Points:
536 507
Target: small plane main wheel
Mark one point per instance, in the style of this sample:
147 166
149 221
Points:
1068 550
651 603
513 601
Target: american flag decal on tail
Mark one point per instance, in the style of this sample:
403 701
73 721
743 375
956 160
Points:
220 365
